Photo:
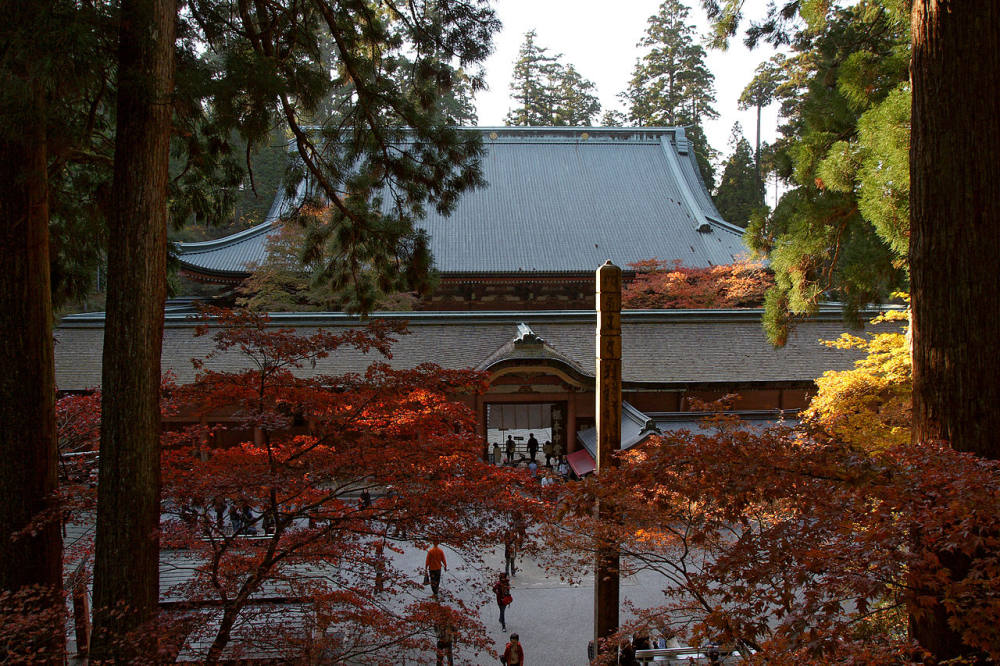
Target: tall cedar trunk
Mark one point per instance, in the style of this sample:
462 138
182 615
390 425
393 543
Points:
28 445
126 567
756 161
955 245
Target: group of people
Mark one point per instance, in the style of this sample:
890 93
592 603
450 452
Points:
513 653
241 518
435 562
640 641
554 453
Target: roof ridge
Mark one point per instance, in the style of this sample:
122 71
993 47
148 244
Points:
196 247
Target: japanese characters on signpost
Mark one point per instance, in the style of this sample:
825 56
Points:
608 416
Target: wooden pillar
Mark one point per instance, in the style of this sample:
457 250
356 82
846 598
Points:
570 423
81 618
608 414
482 425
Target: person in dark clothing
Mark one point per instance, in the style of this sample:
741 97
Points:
509 446
379 564
268 522
220 513
502 591
247 520
532 445
365 500
509 554
236 518
444 641
626 655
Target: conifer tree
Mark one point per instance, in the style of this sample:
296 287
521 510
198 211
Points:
613 118
671 85
53 71
841 231
955 242
548 92
264 65
531 84
740 192
577 104
758 94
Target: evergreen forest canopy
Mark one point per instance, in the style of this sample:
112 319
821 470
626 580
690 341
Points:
100 101
255 84
549 92
841 230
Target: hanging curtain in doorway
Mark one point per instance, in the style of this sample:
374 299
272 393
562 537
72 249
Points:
520 417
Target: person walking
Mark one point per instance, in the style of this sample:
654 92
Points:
496 453
513 654
444 640
510 449
433 565
501 589
236 518
509 553
379 565
548 450
532 446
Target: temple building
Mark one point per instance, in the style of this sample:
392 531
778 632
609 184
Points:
559 202
517 261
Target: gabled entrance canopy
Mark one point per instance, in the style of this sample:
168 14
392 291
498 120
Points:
527 353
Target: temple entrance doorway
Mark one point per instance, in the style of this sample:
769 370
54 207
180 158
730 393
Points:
545 420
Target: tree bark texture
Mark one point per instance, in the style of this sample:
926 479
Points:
30 520
955 243
126 570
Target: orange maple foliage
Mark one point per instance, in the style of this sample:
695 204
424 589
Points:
334 476
665 285
796 546
343 472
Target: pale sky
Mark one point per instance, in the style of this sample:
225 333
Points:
600 38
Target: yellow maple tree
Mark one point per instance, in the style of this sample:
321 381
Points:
870 405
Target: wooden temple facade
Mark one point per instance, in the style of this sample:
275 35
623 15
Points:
517 261
543 361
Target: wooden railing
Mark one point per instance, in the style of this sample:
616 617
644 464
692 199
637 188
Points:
692 655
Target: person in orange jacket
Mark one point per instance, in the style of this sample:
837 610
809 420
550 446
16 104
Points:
513 654
433 564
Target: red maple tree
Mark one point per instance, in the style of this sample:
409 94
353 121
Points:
671 285
332 480
332 477
799 547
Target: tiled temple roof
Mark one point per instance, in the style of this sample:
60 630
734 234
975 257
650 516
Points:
659 347
557 200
